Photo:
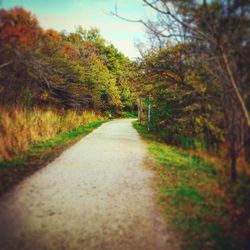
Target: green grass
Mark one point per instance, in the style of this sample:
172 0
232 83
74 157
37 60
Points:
126 114
39 154
191 197
65 137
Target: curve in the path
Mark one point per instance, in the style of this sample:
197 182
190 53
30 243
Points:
96 195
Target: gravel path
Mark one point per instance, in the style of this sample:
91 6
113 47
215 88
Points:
96 195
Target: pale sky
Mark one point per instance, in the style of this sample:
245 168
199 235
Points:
68 14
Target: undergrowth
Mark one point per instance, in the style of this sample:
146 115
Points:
198 202
20 128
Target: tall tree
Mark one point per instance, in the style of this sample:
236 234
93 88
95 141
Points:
220 35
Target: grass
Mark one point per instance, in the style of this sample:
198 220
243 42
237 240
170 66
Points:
196 199
39 153
21 128
126 114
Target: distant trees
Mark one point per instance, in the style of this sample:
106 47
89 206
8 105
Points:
78 70
201 79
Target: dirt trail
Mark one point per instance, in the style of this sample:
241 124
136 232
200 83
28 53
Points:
96 195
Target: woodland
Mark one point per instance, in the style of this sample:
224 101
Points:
53 78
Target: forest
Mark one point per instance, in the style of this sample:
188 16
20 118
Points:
190 88
52 77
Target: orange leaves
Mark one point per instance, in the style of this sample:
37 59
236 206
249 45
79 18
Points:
52 36
51 42
19 28
70 51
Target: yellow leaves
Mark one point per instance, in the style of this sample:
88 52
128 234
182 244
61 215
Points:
44 96
19 28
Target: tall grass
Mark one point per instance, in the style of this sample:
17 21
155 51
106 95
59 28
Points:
20 128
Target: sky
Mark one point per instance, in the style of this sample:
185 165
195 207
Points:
68 14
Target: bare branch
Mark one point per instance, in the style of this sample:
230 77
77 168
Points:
5 64
184 24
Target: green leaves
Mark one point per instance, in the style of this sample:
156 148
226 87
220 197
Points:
76 70
182 96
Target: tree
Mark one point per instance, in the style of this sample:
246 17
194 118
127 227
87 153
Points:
40 67
218 31
182 106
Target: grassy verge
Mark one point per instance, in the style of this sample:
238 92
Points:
194 199
39 154
20 128
129 114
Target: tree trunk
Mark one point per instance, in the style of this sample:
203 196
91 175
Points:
149 115
233 165
247 145
139 115
235 87
233 153
140 110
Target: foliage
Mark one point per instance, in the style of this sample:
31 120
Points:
44 68
183 105
198 74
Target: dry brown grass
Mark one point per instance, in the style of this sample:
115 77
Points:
20 128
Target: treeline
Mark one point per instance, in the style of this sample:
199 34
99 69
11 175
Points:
53 82
194 80
45 68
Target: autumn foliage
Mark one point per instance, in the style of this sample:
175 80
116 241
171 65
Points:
19 28
51 82
64 70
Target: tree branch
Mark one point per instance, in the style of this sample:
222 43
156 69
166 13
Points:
5 64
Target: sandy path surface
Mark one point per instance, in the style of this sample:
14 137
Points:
96 195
